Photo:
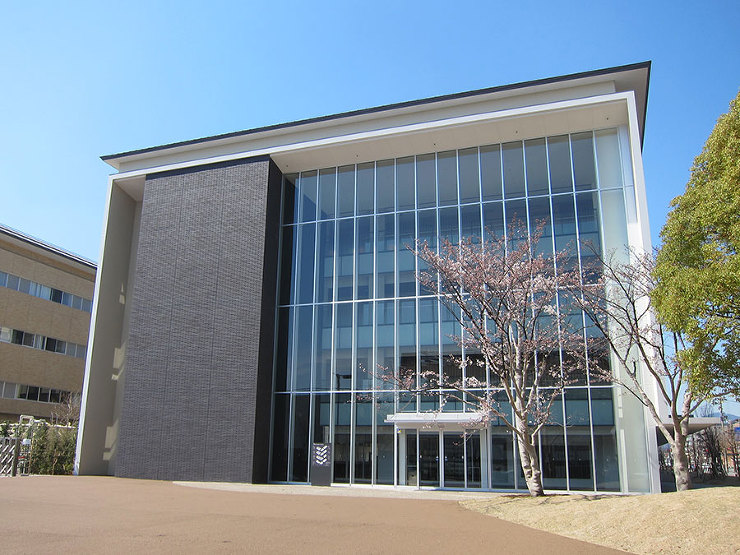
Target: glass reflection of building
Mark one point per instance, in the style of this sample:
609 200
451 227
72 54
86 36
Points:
350 308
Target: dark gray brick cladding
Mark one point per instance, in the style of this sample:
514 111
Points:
198 381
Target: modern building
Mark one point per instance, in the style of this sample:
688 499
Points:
45 304
248 282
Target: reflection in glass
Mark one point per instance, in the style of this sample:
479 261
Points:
343 346
490 172
537 182
325 263
322 347
306 254
561 179
364 258
447 177
406 261
513 163
363 440
345 258
405 178
584 169
346 191
303 335
365 188
384 344
384 186
342 434
385 254
364 367
426 181
327 193
307 190
469 178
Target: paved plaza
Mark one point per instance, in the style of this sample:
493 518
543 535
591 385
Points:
65 514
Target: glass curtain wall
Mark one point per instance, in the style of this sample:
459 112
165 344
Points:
352 316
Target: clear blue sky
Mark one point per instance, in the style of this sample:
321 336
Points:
83 79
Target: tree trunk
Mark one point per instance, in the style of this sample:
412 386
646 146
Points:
529 460
680 463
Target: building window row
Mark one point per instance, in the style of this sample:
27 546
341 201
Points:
537 167
44 292
10 390
41 342
349 346
578 449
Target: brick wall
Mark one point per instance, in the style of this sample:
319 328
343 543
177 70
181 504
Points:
196 402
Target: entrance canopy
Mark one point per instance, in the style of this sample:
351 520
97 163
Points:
436 420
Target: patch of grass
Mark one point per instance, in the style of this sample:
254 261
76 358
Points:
695 521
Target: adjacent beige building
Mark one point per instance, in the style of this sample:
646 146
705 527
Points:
45 304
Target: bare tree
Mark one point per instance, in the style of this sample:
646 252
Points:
618 305
508 300
67 411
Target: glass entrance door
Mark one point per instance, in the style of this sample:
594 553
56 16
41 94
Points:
454 457
429 459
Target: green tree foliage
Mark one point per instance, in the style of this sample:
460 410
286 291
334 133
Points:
698 267
52 449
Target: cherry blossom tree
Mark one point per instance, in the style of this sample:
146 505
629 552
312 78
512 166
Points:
618 304
510 303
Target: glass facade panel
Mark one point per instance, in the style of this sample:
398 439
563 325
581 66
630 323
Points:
325 263
303 340
406 339
584 169
363 471
365 189
385 186
346 191
426 181
447 177
470 222
327 193
469 169
308 195
490 172
364 277
322 347
284 350
301 408
364 367
280 435
536 155
306 254
385 352
405 184
448 225
385 255
561 172
513 163
342 437
384 407
493 220
350 311
343 346
405 259
345 259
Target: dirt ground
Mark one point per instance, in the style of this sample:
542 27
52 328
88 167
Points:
64 514
691 522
